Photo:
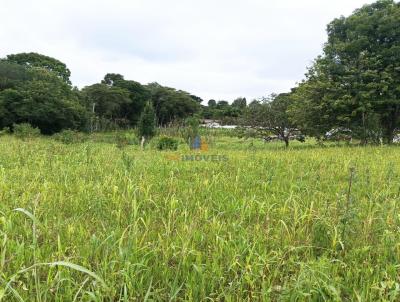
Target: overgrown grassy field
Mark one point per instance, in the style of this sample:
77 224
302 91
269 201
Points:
92 222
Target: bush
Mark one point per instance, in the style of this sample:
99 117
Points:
25 131
122 140
147 122
5 131
167 143
192 128
69 137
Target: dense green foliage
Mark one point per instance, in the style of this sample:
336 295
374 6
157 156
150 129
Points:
356 82
70 137
171 104
354 85
147 122
223 111
32 60
38 96
25 131
36 89
270 115
167 143
117 99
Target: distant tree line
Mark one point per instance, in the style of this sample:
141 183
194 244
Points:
224 111
353 85
36 89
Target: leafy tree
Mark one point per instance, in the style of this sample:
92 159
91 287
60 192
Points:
112 78
223 111
12 74
271 116
106 101
147 123
212 103
37 60
254 104
138 95
223 105
45 102
227 113
312 108
196 98
356 82
171 104
240 103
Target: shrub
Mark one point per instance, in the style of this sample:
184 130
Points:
147 122
5 131
122 140
25 131
69 137
167 143
192 124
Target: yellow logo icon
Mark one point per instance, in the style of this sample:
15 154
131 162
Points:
173 157
203 145
199 143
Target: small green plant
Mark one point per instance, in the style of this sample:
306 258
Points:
128 161
167 143
192 128
147 124
25 131
69 137
122 140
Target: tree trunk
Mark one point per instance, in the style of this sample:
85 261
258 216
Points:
364 140
389 136
389 132
286 140
391 124
142 143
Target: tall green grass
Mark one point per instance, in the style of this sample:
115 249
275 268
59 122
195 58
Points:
93 222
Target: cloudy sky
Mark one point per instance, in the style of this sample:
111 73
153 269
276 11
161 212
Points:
219 49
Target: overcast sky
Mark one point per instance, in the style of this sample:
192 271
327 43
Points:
219 49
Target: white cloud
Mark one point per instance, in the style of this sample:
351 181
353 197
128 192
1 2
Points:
213 48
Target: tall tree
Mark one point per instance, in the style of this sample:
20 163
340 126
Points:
240 103
12 74
196 98
313 108
37 60
270 115
147 123
106 101
170 104
358 77
45 101
138 95
212 103
112 78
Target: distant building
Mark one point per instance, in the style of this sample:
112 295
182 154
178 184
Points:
208 123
